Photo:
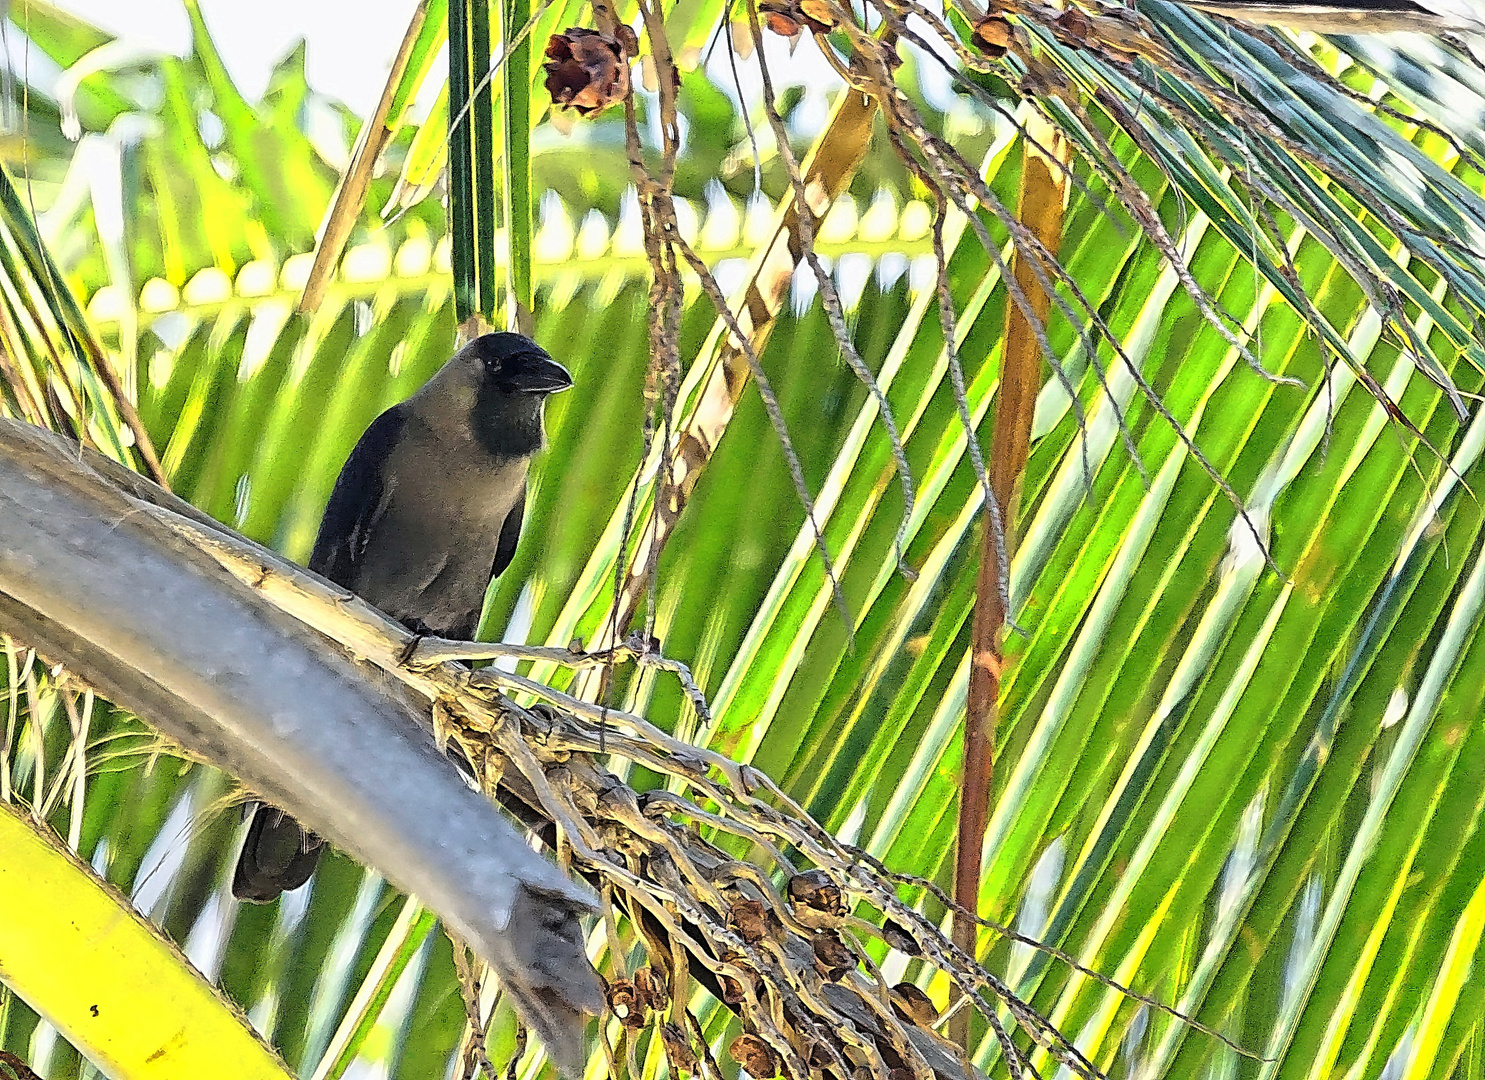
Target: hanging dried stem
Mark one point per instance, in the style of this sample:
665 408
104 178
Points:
830 299
995 521
667 249
474 1056
775 416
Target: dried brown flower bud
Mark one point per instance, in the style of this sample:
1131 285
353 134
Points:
587 70
992 36
650 988
624 1002
678 1047
755 1056
815 889
750 921
913 1004
897 936
732 990
833 958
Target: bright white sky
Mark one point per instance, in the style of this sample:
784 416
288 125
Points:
348 56
351 45
351 42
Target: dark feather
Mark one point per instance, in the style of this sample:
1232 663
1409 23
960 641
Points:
358 495
510 535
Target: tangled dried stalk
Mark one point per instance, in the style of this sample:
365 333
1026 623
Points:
723 882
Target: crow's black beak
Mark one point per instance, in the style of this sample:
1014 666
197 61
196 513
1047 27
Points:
539 375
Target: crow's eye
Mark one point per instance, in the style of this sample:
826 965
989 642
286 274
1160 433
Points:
492 365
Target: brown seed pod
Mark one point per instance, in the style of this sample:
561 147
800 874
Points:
992 36
755 1056
789 18
912 1004
898 937
814 889
587 70
750 920
732 990
650 989
624 1002
678 1047
832 957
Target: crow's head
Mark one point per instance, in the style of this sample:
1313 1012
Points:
513 364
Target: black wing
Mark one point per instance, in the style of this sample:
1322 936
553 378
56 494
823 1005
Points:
358 494
510 535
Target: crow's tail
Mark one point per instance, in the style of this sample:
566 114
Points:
278 855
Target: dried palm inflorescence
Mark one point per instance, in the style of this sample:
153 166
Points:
588 71
723 883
